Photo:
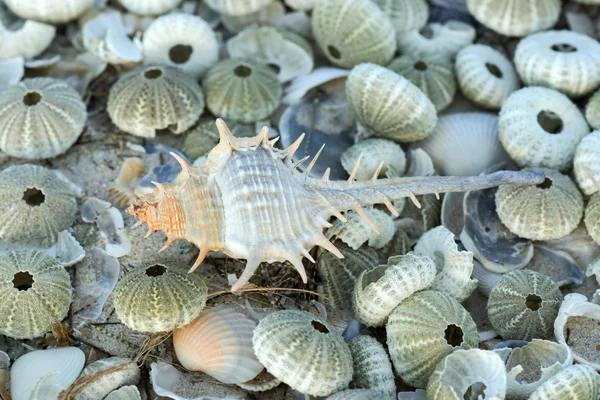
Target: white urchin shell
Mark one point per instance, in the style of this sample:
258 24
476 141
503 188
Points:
437 39
592 110
587 162
237 7
149 7
374 152
28 41
49 10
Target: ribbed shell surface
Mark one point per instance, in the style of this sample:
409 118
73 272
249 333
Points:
372 366
406 15
592 217
151 98
149 7
46 128
218 343
52 11
374 152
437 39
511 316
587 160
578 382
22 222
355 231
592 110
237 7
100 387
26 314
304 352
416 334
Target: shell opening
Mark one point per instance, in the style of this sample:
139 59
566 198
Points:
155 270
274 67
242 71
153 73
33 197
420 66
180 53
453 335
550 122
563 48
533 301
494 70
319 326
547 184
426 32
475 391
334 52
23 281
32 98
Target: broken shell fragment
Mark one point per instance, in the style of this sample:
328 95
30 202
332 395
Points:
48 11
125 393
123 372
121 193
110 223
26 39
578 382
106 37
436 39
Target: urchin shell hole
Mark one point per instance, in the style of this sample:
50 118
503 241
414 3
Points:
32 98
533 301
33 197
547 184
23 281
242 71
180 53
153 73
334 52
319 326
550 122
453 335
274 67
563 48
155 270
475 391
420 66
494 70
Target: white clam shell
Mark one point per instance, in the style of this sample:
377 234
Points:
45 389
30 368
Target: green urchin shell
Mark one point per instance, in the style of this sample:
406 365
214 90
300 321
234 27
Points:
200 140
159 297
356 394
524 305
433 75
578 382
423 330
351 32
242 90
35 292
406 15
549 210
36 204
592 217
372 366
304 352
592 110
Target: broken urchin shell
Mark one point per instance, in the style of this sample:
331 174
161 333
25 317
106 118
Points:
578 382
304 352
586 163
372 154
155 97
106 37
218 343
423 330
524 305
49 10
592 217
378 291
40 118
372 366
160 297
436 39
36 293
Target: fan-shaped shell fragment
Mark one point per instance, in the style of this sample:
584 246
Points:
388 105
592 110
378 291
351 32
541 127
436 39
592 217
25 39
355 231
423 330
374 152
372 366
542 59
406 15
578 382
515 17
297 347
236 7
586 163
123 371
524 305
36 293
151 98
49 10
149 7
40 118
181 40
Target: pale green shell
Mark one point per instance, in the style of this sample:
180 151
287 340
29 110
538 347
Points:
433 75
36 204
355 394
437 40
522 131
587 160
515 17
479 371
304 352
201 139
592 110
454 267
485 75
355 231
269 15
406 15
549 210
99 388
592 217
242 90
542 59
28 309
48 10
40 118
372 366
378 291
340 275
155 97
374 152
578 382
351 32
388 105
149 7
423 330
523 305
237 7
129 392
159 297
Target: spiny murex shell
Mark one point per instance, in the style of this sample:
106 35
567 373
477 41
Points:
372 366
304 352
35 291
221 206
